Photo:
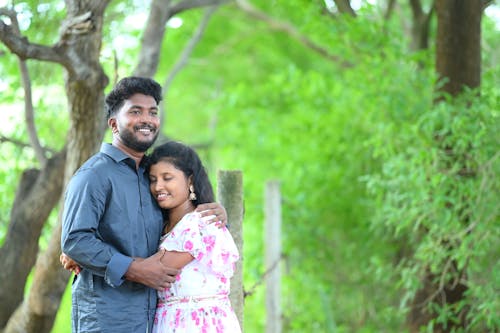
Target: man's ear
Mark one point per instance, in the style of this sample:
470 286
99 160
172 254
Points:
113 125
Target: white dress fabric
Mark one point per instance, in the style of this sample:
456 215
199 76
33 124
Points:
198 300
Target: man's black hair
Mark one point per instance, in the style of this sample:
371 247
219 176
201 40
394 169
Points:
129 86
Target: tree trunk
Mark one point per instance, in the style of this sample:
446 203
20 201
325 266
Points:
420 26
78 50
152 39
458 63
85 83
38 312
458 44
230 195
37 194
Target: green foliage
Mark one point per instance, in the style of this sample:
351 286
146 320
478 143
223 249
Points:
438 197
370 170
62 324
310 127
122 30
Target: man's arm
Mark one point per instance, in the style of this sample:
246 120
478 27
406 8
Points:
151 272
83 207
215 211
157 271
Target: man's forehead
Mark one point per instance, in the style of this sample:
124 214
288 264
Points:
140 100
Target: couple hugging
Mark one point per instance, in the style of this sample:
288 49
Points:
138 230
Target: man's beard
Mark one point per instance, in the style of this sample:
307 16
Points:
129 139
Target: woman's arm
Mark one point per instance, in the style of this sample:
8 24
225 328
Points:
176 259
69 264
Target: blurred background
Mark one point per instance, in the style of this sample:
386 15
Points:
379 119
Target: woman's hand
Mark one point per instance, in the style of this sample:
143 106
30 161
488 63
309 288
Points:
69 264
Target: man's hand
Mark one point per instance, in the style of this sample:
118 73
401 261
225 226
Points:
216 212
151 272
69 264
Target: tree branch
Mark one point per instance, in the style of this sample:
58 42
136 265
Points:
291 31
15 142
264 275
390 9
29 115
18 143
160 12
20 45
190 4
486 3
28 98
152 38
344 7
416 9
420 25
186 53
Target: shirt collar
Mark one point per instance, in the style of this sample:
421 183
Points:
119 156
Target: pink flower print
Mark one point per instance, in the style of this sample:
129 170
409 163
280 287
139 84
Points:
177 317
223 279
205 327
209 242
188 245
220 327
194 316
178 277
225 257
200 256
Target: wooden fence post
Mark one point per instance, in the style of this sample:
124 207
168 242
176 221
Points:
272 229
230 195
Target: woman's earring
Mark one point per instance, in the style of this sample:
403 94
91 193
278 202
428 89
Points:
192 195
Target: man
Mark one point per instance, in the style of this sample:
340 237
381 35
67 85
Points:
111 224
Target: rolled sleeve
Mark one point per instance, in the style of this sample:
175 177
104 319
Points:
116 269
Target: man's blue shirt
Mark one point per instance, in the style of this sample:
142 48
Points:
110 217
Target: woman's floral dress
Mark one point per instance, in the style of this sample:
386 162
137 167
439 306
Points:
198 300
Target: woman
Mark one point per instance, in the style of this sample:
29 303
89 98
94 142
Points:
205 253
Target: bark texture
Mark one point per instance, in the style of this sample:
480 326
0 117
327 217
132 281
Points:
78 51
37 194
420 25
458 44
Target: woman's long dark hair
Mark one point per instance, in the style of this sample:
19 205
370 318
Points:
187 160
